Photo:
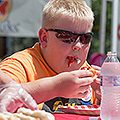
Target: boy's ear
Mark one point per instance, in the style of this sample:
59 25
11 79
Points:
43 37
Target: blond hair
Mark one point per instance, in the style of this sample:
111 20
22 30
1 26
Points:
75 9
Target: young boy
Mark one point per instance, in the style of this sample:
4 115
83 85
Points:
49 70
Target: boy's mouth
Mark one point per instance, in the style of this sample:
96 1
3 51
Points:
73 59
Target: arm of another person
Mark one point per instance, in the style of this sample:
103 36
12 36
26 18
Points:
12 95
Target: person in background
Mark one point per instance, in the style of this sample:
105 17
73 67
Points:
51 70
13 96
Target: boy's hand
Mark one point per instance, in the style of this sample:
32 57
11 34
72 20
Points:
96 84
73 84
13 96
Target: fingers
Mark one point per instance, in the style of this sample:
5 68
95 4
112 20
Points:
83 94
96 84
13 96
2 108
27 100
96 87
2 105
7 102
98 92
85 81
82 73
97 80
97 69
84 77
84 88
13 105
98 96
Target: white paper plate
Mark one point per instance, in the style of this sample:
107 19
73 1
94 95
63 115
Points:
83 109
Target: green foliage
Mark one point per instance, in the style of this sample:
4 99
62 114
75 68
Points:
96 7
19 44
23 43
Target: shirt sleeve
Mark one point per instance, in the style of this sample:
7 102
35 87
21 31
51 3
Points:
14 69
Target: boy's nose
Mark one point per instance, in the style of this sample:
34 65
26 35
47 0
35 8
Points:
77 46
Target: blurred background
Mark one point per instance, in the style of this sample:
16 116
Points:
20 21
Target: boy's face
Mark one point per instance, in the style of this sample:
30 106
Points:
62 56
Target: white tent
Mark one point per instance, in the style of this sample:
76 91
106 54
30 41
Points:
22 18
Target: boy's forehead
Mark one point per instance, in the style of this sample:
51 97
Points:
76 25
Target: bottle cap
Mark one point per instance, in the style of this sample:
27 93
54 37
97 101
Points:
111 53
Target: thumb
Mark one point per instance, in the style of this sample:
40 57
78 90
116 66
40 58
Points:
82 73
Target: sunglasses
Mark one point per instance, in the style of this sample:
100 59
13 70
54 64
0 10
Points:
72 37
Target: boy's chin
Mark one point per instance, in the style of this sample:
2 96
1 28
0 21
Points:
68 69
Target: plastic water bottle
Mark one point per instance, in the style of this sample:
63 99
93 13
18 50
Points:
110 88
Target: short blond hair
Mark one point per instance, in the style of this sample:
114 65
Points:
75 9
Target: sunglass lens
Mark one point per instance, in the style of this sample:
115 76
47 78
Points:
86 38
66 37
69 37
